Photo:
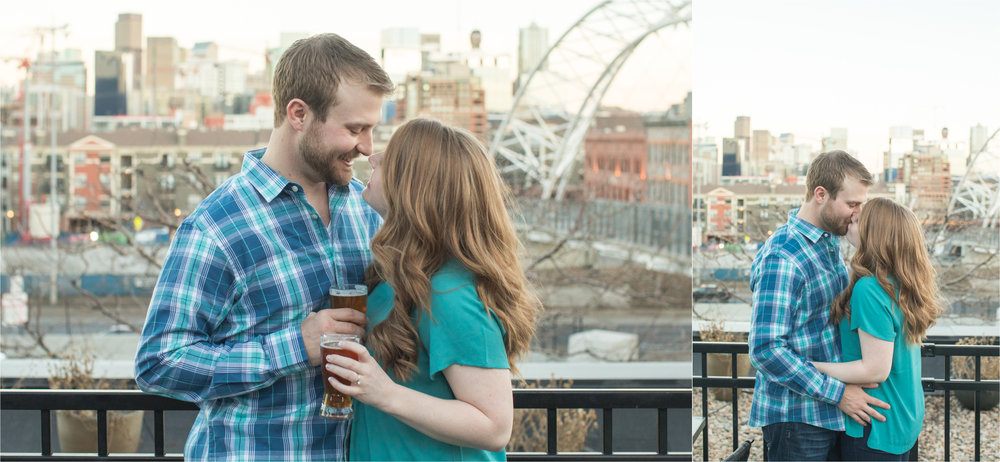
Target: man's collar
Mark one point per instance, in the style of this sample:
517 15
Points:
809 230
263 178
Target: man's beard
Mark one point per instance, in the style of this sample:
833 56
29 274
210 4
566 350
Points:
830 222
324 164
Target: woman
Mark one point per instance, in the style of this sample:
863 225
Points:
449 307
890 302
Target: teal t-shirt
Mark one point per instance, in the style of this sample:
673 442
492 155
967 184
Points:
873 311
463 332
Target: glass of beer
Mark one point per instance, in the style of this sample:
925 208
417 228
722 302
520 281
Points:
336 405
349 296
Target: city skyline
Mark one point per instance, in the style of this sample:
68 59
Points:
807 68
92 29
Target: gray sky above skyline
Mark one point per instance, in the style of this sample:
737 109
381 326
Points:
806 67
244 29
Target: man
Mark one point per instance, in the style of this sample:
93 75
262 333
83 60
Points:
795 277
241 302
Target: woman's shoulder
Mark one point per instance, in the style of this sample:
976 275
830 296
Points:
869 287
452 276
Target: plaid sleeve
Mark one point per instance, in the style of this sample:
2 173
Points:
177 355
778 286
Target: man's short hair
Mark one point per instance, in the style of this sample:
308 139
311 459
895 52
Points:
313 68
829 170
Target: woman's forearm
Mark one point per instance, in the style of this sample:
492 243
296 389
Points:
858 371
448 420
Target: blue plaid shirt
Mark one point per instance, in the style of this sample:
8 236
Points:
242 273
795 277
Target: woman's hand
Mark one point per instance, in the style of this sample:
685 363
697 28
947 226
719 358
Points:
369 383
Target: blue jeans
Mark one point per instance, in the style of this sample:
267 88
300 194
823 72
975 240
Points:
799 441
857 449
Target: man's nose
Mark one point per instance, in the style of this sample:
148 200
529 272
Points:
365 143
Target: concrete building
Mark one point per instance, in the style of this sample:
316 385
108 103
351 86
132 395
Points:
532 44
900 143
162 59
110 83
748 212
455 97
615 159
128 43
705 157
837 141
760 153
668 136
400 52
128 32
59 80
158 174
732 153
926 174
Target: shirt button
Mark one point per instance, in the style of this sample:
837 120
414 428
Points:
315 217
295 188
826 235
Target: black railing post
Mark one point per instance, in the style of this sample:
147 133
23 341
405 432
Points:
704 406
606 429
102 433
661 428
158 446
46 432
736 401
550 426
947 409
976 403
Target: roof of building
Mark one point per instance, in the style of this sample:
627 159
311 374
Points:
145 137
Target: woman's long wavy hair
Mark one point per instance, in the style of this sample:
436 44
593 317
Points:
444 199
892 244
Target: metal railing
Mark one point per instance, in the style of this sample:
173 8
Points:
45 401
948 384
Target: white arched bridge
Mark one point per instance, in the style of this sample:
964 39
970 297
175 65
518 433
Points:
541 136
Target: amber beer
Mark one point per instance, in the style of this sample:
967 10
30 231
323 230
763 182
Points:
349 296
336 405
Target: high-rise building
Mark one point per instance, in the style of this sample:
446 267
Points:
493 70
455 97
400 52
706 161
977 138
62 79
731 155
532 44
128 32
128 42
761 145
162 59
430 44
900 143
837 141
110 80
741 128
926 174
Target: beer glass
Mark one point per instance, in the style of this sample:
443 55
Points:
349 296
336 405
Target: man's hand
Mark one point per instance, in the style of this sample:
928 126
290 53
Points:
858 405
329 321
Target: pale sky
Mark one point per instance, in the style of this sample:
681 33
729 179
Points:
807 66
244 29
